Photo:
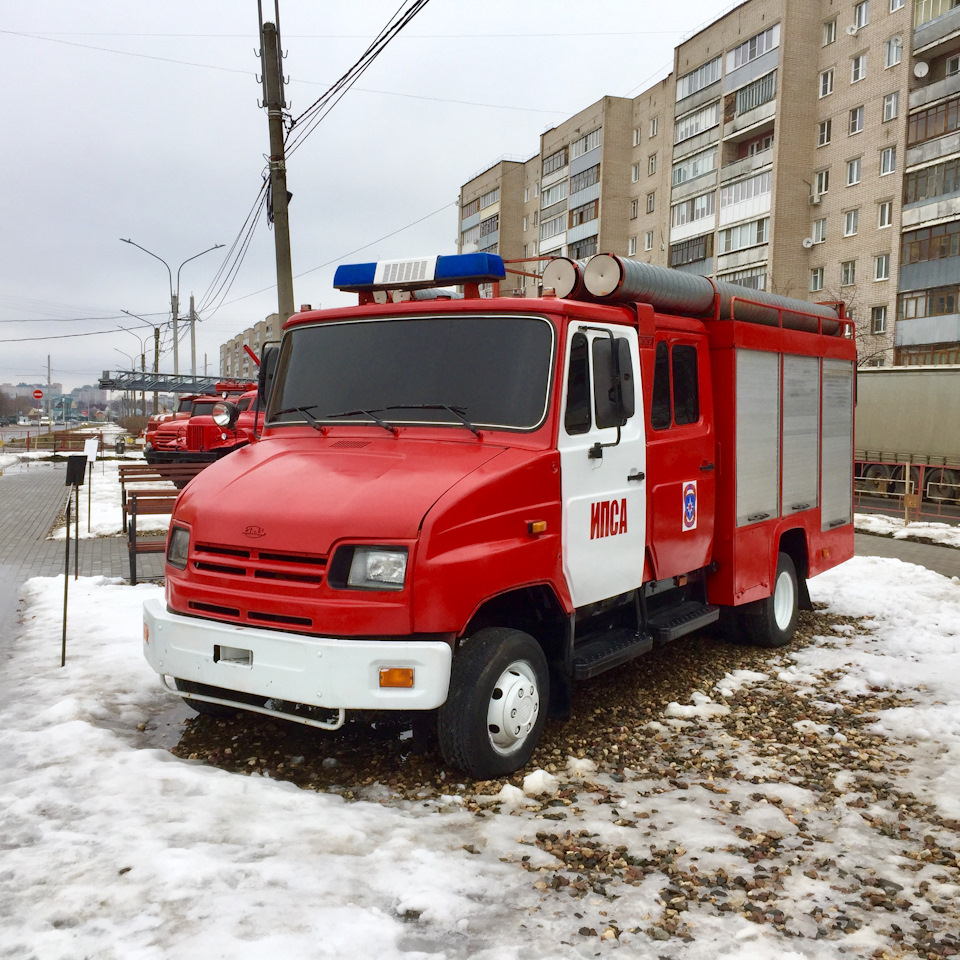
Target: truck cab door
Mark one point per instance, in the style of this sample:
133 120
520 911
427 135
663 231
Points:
602 465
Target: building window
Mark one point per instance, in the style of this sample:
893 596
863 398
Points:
824 132
584 213
490 225
648 240
881 267
635 172
697 122
586 143
690 251
858 68
695 166
554 194
953 66
654 126
745 235
555 161
536 217
754 47
491 196
554 227
754 94
583 248
884 214
895 5
745 189
848 273
891 106
697 79
937 302
851 221
469 209
651 164
634 209
696 208
932 182
853 171
894 48
826 83
829 32
636 136
470 235
759 145
585 178
821 182
888 160
819 230
856 121
816 279
526 194
632 247
934 122
651 202
878 320
931 243
754 278
526 223
861 13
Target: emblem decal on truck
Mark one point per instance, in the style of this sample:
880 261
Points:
690 505
608 518
254 531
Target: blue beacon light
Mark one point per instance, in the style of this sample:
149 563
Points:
420 272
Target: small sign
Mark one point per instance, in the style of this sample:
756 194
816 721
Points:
37 394
911 506
689 505
90 447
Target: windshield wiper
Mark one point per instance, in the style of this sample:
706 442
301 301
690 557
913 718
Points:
314 422
367 413
458 412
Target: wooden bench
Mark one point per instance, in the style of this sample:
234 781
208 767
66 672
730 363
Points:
176 474
153 503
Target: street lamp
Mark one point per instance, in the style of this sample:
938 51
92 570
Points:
133 366
143 367
174 296
156 349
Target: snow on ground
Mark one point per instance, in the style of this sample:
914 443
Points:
114 849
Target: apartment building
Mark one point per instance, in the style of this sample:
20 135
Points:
235 361
810 149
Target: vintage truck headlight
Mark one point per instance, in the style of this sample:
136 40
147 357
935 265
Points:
178 547
378 568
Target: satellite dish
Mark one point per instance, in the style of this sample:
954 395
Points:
852 30
920 69
807 243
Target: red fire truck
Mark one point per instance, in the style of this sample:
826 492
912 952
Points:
463 505
210 436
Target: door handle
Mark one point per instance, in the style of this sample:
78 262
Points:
639 475
706 467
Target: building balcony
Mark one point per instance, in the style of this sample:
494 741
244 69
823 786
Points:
932 150
750 119
939 24
935 91
935 209
740 168
927 330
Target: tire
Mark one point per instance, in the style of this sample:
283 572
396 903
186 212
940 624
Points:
876 480
497 704
216 710
772 622
941 483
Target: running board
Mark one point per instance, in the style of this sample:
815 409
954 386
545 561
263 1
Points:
681 619
599 653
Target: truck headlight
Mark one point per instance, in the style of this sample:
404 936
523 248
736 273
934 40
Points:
178 547
378 568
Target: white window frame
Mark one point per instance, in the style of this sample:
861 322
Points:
816 279
891 106
896 5
848 273
648 240
825 86
893 52
829 32
635 173
851 222
634 209
632 247
819 232
855 121
884 214
695 166
824 132
821 182
651 164
878 320
858 67
888 161
654 125
651 201
699 79
952 66
881 266
637 136
854 171
861 14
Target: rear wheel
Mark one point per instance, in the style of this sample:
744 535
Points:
876 479
497 704
772 622
941 483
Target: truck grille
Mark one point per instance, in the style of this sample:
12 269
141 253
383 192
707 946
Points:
194 437
260 565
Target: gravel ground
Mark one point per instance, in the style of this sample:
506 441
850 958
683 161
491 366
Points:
800 758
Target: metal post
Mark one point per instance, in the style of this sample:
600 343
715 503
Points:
66 585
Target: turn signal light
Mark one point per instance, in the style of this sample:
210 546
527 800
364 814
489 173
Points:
535 527
396 676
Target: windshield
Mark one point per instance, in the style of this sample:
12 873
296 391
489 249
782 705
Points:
204 408
479 371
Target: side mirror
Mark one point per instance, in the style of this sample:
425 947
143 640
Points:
268 369
613 392
225 414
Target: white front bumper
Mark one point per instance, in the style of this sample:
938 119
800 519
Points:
319 671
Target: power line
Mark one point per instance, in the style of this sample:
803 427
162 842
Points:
67 336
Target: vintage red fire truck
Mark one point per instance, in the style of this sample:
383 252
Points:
461 506
209 437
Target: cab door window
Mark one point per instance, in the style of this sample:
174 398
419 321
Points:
577 418
676 389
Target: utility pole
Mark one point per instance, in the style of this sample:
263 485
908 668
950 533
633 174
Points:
193 339
156 365
273 102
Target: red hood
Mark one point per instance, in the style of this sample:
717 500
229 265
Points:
302 495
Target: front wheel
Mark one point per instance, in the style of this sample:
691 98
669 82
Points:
497 704
772 622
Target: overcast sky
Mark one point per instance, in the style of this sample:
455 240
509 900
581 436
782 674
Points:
141 121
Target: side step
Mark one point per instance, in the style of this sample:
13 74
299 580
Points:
606 650
684 618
